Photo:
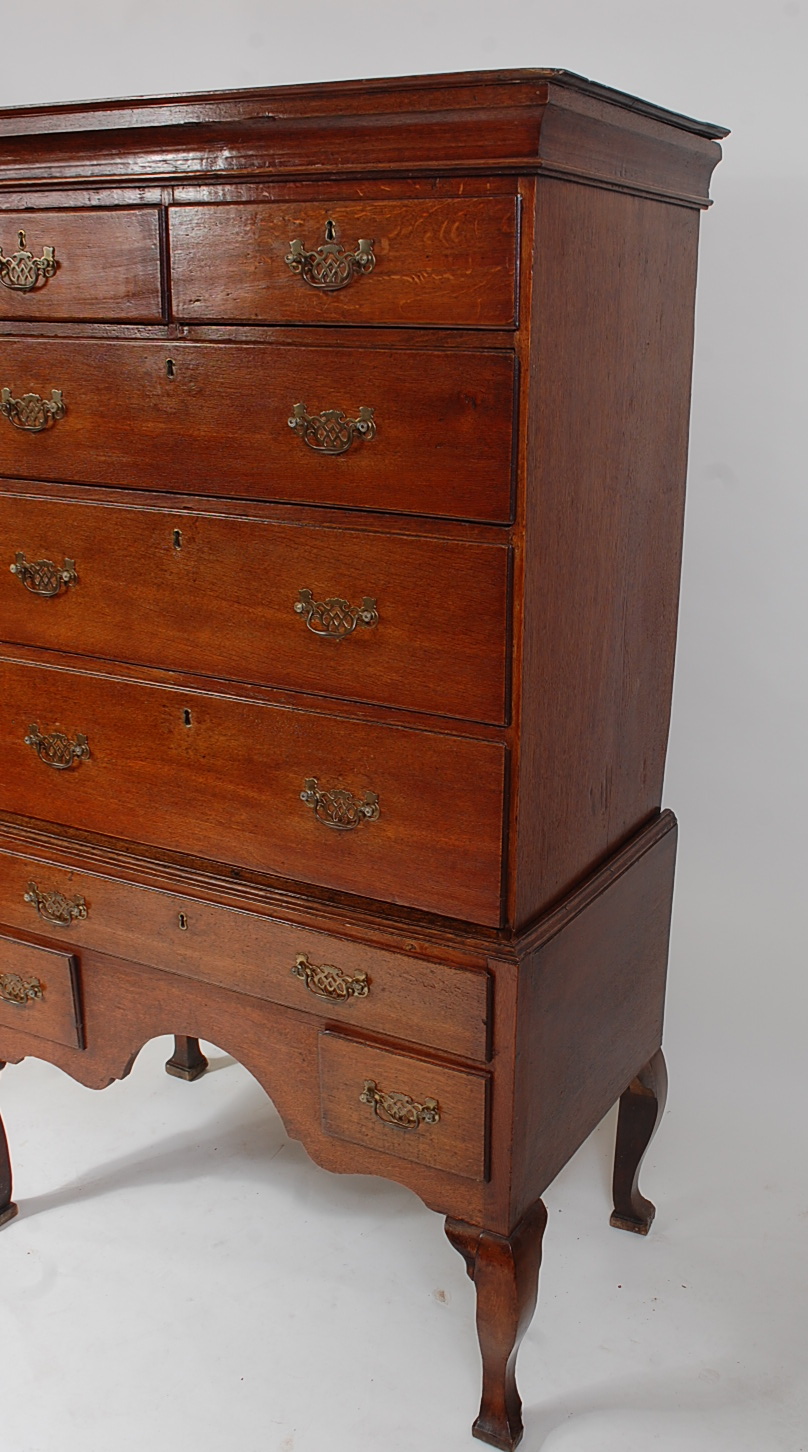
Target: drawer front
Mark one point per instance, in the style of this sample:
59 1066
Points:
407 816
81 265
39 991
447 262
415 623
397 994
214 418
404 1106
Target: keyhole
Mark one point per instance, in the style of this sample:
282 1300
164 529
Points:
178 539
170 368
186 716
182 922
330 231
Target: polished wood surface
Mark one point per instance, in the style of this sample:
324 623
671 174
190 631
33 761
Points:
179 769
642 1106
51 1006
220 595
442 262
457 1141
107 264
505 1272
214 419
449 986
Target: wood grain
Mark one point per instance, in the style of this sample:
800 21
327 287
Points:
220 424
222 777
56 1013
219 595
442 262
108 264
457 1142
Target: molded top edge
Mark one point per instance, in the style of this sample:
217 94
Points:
389 93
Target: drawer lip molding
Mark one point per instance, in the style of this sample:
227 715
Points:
233 599
218 777
50 1006
106 265
208 418
437 262
452 1132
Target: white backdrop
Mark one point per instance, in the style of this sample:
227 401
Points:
728 1169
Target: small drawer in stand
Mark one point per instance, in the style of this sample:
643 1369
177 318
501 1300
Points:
39 991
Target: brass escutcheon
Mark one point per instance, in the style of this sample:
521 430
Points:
57 750
333 618
339 808
331 432
53 907
32 413
22 271
399 1109
326 981
43 577
330 267
20 991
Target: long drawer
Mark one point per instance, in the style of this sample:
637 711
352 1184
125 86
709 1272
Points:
365 615
391 993
407 816
97 263
410 431
391 260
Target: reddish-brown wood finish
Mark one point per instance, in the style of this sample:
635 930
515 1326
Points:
187 1061
642 1106
107 265
219 594
408 996
606 454
450 263
51 1007
493 946
457 1141
214 419
505 1272
222 777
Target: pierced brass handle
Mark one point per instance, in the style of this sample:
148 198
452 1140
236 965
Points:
399 1109
22 271
325 981
32 413
329 267
339 808
43 577
53 907
57 750
333 619
19 991
331 432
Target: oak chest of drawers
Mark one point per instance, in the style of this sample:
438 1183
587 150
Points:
342 448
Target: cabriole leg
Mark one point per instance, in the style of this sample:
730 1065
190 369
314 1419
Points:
641 1108
505 1272
7 1207
187 1061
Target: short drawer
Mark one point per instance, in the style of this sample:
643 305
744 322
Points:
416 623
39 991
413 817
396 261
405 1106
397 430
392 993
81 265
